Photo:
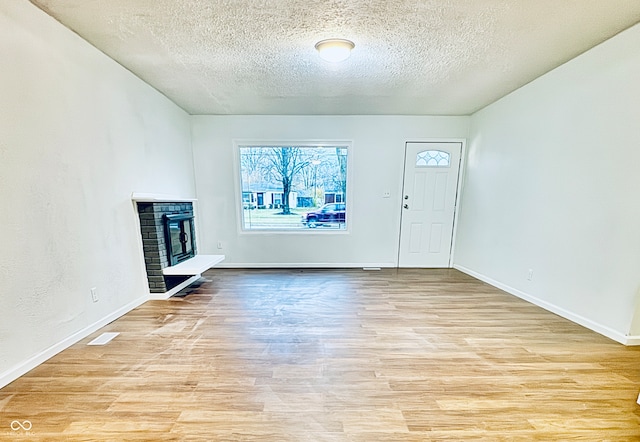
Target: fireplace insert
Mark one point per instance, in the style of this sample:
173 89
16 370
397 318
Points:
180 237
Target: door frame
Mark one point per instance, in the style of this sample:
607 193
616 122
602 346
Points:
460 183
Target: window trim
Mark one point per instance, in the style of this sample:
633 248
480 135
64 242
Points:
238 143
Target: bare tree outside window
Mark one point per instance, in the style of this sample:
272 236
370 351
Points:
286 163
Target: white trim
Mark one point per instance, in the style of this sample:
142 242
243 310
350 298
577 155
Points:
166 295
307 265
140 197
302 231
24 367
632 340
456 213
422 266
581 320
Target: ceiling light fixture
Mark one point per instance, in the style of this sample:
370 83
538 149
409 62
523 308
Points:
335 49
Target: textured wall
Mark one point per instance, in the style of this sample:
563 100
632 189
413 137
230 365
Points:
551 185
79 135
377 157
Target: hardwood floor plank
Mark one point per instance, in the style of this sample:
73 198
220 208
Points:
334 355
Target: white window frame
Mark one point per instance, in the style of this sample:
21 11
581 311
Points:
237 144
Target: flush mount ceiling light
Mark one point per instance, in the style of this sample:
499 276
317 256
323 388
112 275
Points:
335 49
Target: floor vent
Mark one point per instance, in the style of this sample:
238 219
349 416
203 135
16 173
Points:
103 339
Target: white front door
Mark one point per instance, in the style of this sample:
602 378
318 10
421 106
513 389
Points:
429 200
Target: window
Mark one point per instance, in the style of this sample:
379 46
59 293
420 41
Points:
433 158
293 187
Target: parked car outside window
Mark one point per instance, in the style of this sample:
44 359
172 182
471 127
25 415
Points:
333 213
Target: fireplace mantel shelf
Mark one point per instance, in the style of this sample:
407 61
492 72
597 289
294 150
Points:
193 266
140 197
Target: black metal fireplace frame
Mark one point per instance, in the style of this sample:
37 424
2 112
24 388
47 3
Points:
176 256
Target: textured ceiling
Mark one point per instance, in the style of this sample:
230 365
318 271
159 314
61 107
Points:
419 57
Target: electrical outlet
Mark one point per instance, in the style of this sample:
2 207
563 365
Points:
386 194
94 294
530 275
219 244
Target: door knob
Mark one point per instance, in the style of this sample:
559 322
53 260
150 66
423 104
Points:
406 206
406 197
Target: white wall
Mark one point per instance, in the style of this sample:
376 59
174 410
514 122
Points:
377 160
78 134
552 182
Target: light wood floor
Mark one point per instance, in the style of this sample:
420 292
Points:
324 355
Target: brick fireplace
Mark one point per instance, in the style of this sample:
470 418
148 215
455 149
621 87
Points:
154 217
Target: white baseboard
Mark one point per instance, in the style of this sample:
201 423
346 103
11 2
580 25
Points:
24 367
312 265
632 340
585 322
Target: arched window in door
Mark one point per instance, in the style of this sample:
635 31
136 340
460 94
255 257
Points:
433 158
